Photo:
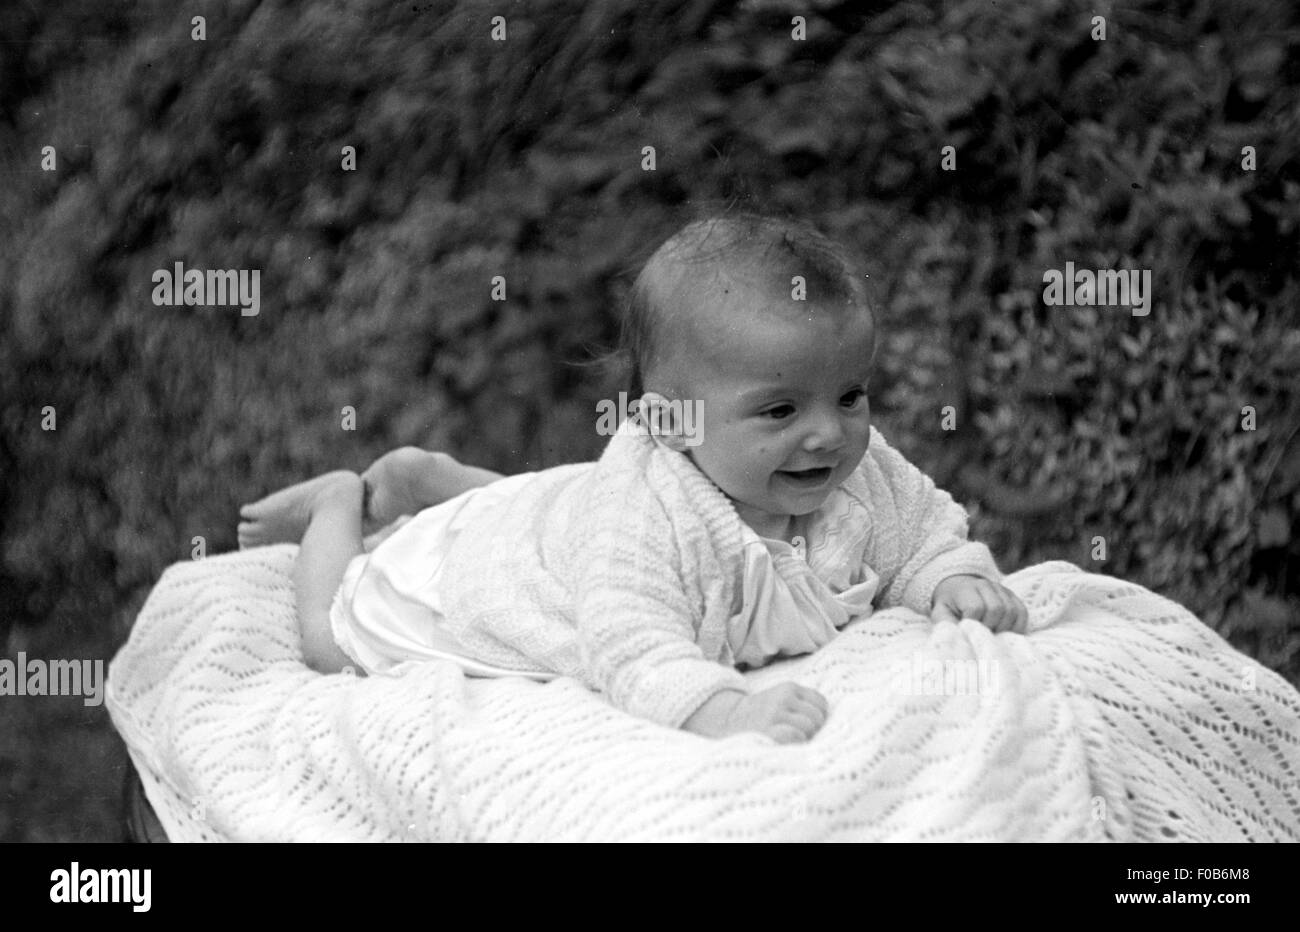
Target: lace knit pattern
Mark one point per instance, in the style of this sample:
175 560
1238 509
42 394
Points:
1118 717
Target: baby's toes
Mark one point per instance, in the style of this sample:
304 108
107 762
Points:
249 535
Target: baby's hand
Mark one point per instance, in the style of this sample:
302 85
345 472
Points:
787 712
974 597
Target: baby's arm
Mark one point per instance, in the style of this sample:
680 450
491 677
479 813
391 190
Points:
635 619
932 566
637 632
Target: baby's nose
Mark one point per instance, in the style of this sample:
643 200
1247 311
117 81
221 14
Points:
827 434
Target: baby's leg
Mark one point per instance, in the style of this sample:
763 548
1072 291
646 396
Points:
282 517
408 480
331 540
325 514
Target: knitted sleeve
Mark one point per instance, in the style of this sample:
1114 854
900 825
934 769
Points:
636 617
928 541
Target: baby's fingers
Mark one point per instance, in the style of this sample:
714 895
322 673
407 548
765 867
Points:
1006 611
784 734
995 615
813 700
1020 614
972 604
806 719
942 611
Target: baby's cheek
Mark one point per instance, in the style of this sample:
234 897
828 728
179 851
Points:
757 466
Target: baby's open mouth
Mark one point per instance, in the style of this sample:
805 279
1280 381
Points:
809 477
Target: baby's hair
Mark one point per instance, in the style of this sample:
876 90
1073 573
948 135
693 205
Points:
771 249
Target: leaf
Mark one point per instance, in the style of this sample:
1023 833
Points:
1274 529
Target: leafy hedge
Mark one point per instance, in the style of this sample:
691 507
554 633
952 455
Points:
523 159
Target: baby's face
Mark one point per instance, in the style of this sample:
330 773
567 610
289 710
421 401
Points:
784 396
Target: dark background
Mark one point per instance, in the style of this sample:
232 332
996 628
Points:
523 158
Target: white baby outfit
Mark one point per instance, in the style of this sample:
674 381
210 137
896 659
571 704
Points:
635 575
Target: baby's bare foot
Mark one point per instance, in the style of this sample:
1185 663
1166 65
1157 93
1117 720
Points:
282 516
393 483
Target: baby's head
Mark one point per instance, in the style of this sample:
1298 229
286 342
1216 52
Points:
765 326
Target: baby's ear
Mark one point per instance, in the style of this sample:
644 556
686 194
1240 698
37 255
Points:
663 419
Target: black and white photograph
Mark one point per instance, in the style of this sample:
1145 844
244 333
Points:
651 421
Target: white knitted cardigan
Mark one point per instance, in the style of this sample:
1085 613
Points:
623 574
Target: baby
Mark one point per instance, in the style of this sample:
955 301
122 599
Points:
654 573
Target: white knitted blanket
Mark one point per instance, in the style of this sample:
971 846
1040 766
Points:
1118 717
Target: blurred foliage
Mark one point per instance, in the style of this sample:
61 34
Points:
479 158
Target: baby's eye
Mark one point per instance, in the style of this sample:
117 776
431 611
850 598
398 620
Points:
780 412
851 398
